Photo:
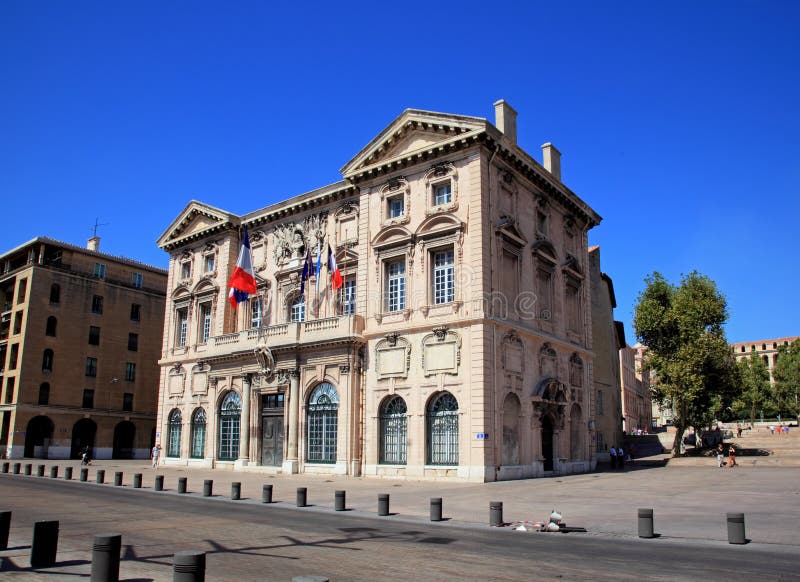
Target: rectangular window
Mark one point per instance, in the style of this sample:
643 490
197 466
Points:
22 290
10 383
601 446
298 309
136 280
91 367
88 398
573 301
209 263
205 322
97 304
541 223
396 285
17 322
127 402
509 275
395 206
599 403
349 297
444 289
256 312
94 335
136 312
544 294
133 342
442 194
99 270
130 372
182 327
186 270
44 394
13 356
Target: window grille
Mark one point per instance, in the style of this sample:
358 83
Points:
394 432
174 439
443 430
229 427
198 433
322 421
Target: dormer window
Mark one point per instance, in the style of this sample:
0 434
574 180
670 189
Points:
442 194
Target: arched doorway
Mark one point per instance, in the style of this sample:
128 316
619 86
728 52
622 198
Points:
547 443
83 433
124 434
37 437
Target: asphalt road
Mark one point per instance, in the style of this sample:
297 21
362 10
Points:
247 540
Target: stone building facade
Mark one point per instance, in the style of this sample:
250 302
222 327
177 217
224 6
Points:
637 405
767 350
459 346
79 346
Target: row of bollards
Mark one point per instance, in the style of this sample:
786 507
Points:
187 566
735 526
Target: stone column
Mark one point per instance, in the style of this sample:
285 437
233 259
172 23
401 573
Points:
290 464
244 429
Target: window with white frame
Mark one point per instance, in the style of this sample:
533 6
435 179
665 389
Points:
256 312
208 263
186 270
396 285
443 276
181 326
442 194
349 297
297 309
205 322
395 206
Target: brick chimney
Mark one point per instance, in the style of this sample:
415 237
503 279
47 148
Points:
93 244
505 119
551 158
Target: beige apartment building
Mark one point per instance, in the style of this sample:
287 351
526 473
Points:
767 350
637 406
458 347
79 347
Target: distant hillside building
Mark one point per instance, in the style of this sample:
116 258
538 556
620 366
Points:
79 345
767 350
458 347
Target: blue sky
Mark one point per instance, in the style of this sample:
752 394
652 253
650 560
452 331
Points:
677 121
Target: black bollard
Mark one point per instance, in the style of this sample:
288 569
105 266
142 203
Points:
266 493
236 490
189 566
158 484
28 468
101 476
137 480
736 528
645 523
383 504
54 472
495 513
5 527
5 467
339 500
15 468
40 471
105 557
84 474
301 496
208 486
436 509
181 484
45 544
68 473
118 479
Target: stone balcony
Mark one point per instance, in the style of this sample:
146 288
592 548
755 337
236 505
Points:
284 335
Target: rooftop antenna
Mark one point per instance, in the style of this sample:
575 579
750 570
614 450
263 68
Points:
96 225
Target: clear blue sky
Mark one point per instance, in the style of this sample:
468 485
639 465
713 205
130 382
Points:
678 121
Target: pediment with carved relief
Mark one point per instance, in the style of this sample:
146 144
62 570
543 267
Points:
195 221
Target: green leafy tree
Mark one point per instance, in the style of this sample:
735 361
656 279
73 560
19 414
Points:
787 379
682 329
756 394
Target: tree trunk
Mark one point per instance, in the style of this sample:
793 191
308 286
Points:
676 444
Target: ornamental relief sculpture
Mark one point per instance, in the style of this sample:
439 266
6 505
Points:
293 240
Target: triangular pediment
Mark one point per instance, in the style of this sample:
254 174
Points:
196 220
414 132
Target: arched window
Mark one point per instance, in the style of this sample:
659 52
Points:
442 430
230 426
322 416
198 434
174 434
50 328
44 393
393 421
55 293
297 310
47 361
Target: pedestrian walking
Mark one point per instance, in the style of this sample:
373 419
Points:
155 453
613 455
731 456
620 458
720 455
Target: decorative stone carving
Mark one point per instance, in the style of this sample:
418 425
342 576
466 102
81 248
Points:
266 361
511 354
392 357
441 352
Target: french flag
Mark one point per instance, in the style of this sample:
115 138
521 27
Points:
243 280
333 269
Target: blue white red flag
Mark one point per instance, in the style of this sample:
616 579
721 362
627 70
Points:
243 280
333 269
